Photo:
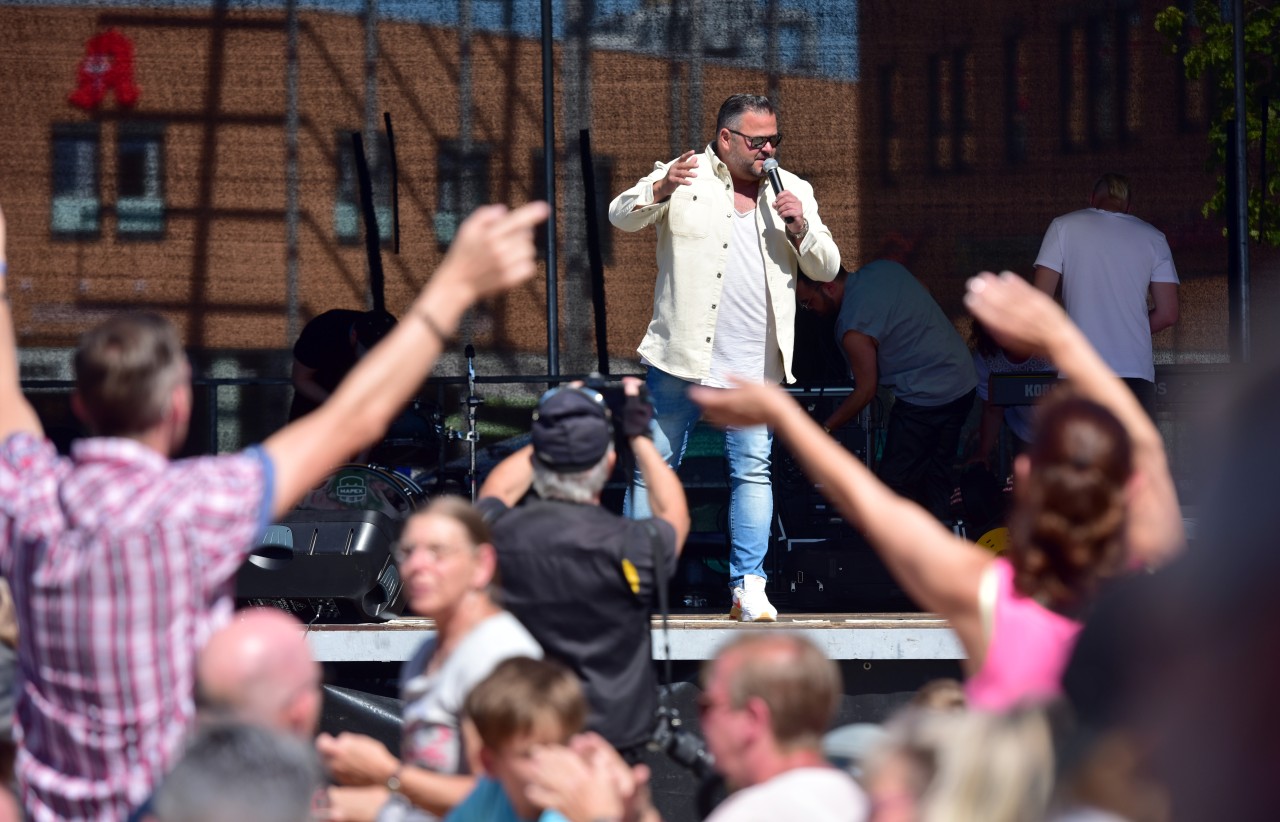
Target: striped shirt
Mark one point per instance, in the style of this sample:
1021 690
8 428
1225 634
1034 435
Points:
122 564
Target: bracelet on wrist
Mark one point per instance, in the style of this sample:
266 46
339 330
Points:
804 229
426 320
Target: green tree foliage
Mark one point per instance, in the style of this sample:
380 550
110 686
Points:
1205 44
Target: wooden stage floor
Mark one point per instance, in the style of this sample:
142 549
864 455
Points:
692 637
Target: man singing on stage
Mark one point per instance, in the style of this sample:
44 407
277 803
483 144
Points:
729 249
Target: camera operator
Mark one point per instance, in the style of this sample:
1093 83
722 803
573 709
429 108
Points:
582 579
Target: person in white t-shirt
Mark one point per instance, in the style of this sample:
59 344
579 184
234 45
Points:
1108 261
729 249
766 703
449 565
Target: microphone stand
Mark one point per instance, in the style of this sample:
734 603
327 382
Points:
473 402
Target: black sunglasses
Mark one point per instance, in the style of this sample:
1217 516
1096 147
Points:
757 143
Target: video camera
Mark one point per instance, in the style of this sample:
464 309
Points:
630 415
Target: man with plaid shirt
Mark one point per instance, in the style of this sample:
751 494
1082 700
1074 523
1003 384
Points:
121 560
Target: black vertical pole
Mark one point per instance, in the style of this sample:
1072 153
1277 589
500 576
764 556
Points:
549 171
1238 204
594 257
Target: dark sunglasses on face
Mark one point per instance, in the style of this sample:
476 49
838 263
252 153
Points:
757 143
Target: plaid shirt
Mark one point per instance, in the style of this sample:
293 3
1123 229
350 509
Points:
121 564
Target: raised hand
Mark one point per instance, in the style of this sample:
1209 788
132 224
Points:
1021 318
788 205
679 173
743 405
492 252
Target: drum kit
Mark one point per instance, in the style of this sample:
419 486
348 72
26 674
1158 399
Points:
330 559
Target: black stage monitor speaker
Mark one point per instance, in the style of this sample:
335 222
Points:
330 559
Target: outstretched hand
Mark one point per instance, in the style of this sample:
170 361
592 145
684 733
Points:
493 251
1021 318
745 404
679 173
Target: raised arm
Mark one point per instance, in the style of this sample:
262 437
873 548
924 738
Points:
492 252
667 501
16 414
1021 317
646 201
938 570
815 248
510 479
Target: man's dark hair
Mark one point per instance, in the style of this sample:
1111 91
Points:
731 110
126 370
372 326
233 772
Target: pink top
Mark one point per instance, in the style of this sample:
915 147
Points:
1027 649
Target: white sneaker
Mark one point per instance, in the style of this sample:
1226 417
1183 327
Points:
750 603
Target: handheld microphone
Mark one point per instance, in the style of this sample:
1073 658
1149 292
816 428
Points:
775 180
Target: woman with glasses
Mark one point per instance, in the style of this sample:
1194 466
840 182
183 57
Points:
449 570
1092 496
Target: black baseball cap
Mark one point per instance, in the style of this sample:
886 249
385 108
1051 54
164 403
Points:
572 429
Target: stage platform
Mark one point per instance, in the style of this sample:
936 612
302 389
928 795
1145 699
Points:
880 637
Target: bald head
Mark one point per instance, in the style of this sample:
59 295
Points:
259 669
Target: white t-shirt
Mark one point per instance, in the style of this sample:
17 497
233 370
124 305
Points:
1019 418
1107 261
432 737
811 794
744 340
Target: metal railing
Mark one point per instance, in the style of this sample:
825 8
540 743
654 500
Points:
439 387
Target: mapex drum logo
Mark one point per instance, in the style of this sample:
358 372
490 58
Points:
350 490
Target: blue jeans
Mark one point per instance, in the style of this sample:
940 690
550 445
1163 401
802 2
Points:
750 489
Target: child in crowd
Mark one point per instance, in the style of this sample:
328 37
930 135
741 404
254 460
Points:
523 705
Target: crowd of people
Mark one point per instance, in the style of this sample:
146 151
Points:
1110 674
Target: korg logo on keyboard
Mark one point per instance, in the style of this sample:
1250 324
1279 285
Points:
1036 390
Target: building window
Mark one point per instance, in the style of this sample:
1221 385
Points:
462 185
1099 105
140 206
941 113
890 129
952 139
1017 100
76 206
1073 68
965 70
1133 74
1192 95
346 206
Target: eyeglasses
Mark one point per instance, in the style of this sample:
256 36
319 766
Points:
757 143
403 552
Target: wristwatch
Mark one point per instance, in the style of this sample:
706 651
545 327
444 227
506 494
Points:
804 229
393 781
